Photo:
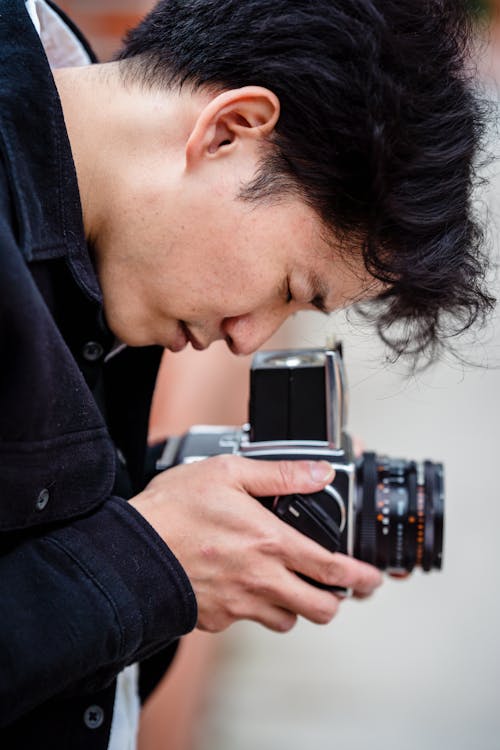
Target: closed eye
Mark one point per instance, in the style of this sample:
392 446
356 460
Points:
288 292
319 303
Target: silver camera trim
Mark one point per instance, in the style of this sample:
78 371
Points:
350 470
341 505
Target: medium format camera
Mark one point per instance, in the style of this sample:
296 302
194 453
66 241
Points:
385 511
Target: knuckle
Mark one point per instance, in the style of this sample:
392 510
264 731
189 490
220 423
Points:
286 623
366 578
217 616
236 610
326 612
286 473
209 552
258 585
350 573
334 574
373 579
365 581
212 624
211 627
224 464
271 542
347 572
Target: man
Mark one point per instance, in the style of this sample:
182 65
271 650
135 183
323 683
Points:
238 163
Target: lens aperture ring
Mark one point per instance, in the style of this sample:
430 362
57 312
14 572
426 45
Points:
411 521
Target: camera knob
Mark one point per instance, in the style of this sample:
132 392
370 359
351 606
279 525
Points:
307 515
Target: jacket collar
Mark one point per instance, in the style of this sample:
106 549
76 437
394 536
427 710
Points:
35 147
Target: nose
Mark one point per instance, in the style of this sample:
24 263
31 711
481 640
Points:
244 334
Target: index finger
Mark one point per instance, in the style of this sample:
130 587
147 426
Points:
261 478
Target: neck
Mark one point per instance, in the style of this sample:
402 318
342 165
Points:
117 132
80 92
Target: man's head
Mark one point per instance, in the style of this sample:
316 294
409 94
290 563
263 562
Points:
180 255
377 132
333 140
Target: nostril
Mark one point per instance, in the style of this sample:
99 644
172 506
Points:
235 346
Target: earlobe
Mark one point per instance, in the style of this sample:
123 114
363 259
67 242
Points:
231 119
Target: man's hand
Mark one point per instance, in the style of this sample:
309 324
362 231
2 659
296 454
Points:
240 558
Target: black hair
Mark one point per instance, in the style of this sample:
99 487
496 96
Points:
379 132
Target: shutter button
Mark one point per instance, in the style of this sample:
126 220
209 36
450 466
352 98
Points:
93 717
42 500
92 351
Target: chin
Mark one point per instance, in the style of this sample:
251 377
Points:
130 334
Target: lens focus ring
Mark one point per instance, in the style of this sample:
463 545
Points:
399 515
367 480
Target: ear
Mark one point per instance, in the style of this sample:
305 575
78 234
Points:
230 119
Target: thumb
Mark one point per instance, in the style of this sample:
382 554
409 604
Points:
262 478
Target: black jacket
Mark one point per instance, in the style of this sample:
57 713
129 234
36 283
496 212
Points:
86 585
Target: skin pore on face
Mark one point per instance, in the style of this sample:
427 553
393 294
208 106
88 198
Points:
179 256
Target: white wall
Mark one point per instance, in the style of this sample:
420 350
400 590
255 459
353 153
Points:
418 666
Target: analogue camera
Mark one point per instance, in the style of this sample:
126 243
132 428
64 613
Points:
385 511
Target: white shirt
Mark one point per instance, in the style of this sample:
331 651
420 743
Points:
62 47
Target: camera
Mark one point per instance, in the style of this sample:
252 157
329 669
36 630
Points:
386 511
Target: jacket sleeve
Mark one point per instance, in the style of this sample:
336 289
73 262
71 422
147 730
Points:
82 601
86 584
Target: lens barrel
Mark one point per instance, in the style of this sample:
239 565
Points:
399 515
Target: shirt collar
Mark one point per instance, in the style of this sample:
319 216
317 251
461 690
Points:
63 47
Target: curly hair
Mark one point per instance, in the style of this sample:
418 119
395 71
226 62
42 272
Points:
379 132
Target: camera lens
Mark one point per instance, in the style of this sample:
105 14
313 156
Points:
399 514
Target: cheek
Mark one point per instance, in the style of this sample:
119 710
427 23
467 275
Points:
249 272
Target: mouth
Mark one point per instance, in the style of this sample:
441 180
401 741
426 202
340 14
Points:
180 342
191 337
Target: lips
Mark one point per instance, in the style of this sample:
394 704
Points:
180 342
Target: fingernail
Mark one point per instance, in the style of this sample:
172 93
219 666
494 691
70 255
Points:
321 471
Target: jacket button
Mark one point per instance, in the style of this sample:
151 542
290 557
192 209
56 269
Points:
93 717
92 351
42 500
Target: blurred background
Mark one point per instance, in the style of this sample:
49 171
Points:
418 665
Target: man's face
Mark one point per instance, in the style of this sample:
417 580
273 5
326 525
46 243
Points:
181 257
205 268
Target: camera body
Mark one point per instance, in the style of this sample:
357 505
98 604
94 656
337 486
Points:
388 512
